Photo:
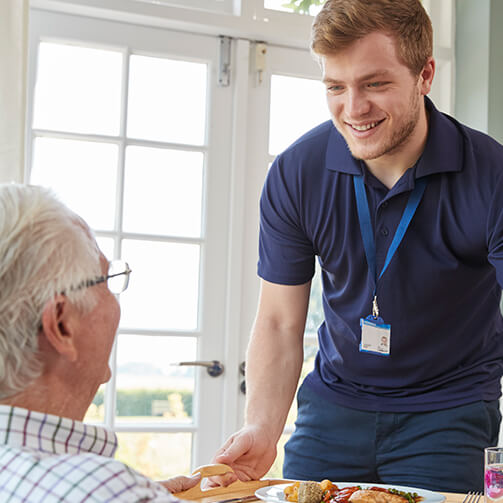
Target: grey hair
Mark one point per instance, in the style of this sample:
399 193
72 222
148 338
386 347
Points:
45 249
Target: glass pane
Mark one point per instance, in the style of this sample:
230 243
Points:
106 245
156 455
310 350
163 191
163 290
282 5
149 387
276 470
167 100
297 105
315 315
82 173
78 89
96 411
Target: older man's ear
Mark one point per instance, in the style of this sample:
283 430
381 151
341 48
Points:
59 323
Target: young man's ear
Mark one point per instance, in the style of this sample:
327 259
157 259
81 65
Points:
58 326
426 76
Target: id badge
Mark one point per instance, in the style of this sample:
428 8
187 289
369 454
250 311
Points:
376 336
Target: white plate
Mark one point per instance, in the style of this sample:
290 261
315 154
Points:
275 493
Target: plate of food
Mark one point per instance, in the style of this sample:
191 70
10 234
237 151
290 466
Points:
345 492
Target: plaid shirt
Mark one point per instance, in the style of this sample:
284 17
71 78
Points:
46 458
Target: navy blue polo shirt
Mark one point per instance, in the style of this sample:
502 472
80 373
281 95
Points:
442 289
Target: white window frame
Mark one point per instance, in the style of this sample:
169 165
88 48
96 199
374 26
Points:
213 342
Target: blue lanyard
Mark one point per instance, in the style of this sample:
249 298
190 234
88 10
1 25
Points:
368 232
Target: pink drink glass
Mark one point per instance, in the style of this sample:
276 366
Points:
493 475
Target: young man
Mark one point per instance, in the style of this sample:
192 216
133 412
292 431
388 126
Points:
58 319
403 206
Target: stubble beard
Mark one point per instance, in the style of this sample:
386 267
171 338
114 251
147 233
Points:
399 137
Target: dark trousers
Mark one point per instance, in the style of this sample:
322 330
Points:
441 450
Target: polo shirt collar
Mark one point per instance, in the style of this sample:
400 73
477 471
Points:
443 151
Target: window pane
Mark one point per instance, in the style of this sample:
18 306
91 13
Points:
276 470
163 191
82 173
167 100
106 245
310 350
315 314
78 89
96 411
164 285
297 105
149 387
315 317
156 455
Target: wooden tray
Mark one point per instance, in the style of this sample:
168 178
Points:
237 489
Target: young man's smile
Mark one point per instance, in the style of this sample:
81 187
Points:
375 100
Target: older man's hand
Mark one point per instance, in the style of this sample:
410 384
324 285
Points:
180 483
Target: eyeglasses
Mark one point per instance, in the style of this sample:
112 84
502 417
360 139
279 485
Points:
117 278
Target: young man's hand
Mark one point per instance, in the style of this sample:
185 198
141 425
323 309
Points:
250 452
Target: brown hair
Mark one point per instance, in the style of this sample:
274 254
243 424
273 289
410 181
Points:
342 22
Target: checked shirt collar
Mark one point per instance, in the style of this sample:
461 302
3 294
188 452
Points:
27 429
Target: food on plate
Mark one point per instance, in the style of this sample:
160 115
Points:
316 488
328 492
291 492
372 496
310 492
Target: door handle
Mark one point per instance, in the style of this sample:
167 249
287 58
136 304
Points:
213 367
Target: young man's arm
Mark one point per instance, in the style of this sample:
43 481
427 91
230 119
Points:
273 365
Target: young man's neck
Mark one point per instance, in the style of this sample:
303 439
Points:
389 173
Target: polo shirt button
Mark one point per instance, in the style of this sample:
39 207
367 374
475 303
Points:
384 231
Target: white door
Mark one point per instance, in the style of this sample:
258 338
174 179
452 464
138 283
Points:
129 126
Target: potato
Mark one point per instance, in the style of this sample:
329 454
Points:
291 492
326 485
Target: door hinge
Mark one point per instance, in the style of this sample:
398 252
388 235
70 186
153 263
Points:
260 61
224 61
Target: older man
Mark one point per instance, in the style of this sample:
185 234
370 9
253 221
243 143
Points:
58 319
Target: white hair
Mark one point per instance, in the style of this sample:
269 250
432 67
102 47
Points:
45 249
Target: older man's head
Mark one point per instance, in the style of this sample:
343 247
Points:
56 326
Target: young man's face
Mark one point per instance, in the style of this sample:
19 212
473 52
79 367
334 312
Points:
375 101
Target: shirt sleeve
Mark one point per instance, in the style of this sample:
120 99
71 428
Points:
286 254
112 481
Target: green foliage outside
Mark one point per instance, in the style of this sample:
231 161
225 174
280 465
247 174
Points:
315 315
138 402
302 6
